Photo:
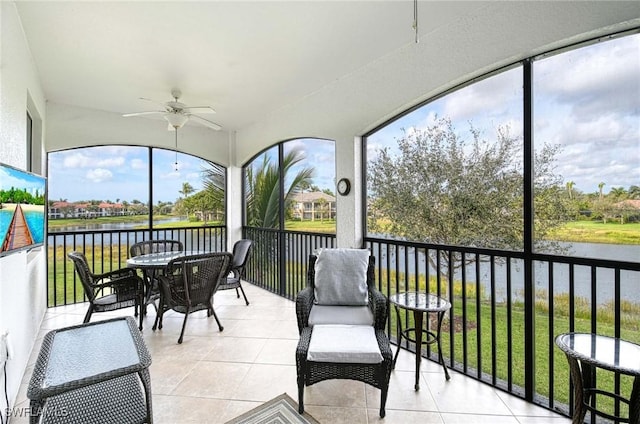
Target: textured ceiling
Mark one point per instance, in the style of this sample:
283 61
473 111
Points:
326 63
245 59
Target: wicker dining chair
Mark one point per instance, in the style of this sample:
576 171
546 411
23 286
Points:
117 289
189 285
373 313
150 277
241 254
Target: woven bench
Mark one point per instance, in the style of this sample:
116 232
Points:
353 352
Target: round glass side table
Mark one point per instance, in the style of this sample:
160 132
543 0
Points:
420 304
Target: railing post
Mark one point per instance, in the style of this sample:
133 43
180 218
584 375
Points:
529 289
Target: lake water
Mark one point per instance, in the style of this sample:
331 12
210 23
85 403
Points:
191 240
604 286
630 281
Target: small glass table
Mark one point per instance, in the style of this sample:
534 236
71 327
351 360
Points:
92 373
158 260
153 264
585 352
420 304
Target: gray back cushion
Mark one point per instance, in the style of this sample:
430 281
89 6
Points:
341 277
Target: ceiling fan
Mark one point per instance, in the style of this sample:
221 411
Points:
177 114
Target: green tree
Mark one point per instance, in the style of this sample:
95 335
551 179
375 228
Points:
634 192
618 193
570 185
323 206
187 189
263 188
600 187
439 188
213 178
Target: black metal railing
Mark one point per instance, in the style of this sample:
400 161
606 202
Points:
107 250
279 259
484 335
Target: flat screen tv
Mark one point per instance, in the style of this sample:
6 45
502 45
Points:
22 209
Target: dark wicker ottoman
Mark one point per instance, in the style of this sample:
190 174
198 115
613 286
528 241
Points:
376 375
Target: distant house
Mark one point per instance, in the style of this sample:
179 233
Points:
313 206
62 209
110 209
627 210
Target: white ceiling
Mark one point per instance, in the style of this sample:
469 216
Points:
249 60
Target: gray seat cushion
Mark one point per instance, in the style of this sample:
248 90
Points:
344 344
347 315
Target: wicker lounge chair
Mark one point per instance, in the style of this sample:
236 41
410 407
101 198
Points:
109 291
241 253
189 285
375 314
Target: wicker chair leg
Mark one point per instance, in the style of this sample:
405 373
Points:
184 324
243 295
300 397
383 401
87 316
213 312
158 321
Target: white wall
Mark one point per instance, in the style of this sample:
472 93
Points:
22 274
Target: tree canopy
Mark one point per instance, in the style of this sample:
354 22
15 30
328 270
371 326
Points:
441 188
263 188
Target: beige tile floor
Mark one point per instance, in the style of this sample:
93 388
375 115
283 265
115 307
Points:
214 376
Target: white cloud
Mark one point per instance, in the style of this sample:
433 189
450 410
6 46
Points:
77 160
138 164
99 175
110 162
82 160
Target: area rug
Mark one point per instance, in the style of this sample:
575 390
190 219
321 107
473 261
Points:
279 410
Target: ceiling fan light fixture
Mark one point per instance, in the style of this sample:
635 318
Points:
176 120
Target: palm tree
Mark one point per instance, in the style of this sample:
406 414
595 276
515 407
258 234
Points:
570 185
600 187
263 188
634 192
187 189
618 193
213 179
322 206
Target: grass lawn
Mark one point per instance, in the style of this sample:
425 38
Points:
598 232
476 345
325 226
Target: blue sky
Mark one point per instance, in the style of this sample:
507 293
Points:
10 177
120 172
586 100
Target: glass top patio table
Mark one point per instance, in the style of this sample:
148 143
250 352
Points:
585 352
602 351
158 259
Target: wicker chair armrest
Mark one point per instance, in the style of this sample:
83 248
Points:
117 274
304 302
379 305
303 344
384 345
121 285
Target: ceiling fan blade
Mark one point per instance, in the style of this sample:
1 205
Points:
205 122
153 101
151 112
199 109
